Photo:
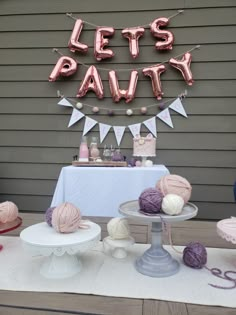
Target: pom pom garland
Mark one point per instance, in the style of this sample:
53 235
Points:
150 201
118 228
48 215
175 184
172 204
66 218
8 211
195 255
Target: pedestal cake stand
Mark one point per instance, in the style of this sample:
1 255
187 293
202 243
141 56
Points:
9 226
156 261
59 249
227 229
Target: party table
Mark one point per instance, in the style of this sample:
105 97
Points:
98 191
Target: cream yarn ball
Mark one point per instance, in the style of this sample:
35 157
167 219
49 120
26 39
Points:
172 204
66 218
118 228
8 212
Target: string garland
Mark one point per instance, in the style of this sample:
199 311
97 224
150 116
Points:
121 27
56 50
161 105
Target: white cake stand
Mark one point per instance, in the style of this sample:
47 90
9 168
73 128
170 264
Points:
118 247
59 249
156 261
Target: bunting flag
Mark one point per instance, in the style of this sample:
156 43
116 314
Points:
165 116
64 102
75 116
177 106
89 124
119 132
135 129
103 130
151 125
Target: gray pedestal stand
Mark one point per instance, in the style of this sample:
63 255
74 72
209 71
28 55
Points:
156 261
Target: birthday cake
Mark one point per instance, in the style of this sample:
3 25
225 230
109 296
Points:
144 146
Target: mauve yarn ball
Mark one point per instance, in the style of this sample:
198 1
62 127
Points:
175 184
66 218
48 215
150 201
8 211
195 255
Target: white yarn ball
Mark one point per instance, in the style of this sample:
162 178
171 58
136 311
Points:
172 204
118 228
148 163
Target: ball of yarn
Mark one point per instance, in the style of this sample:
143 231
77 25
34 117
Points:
175 184
148 163
48 215
8 211
66 218
118 228
172 204
150 201
195 255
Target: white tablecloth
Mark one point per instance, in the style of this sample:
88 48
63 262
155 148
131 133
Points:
105 275
98 191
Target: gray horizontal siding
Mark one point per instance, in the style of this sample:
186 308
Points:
202 71
50 39
193 106
35 140
172 158
70 139
219 124
219 88
42 22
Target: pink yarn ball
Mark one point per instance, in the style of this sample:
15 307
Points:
66 218
150 201
8 211
175 184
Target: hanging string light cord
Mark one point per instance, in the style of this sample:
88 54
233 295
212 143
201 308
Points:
227 275
121 27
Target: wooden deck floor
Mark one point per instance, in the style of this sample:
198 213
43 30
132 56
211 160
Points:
36 303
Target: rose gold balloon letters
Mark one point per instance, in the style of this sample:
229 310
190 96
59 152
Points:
65 67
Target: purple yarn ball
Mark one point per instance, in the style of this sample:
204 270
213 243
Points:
150 201
132 162
48 215
195 255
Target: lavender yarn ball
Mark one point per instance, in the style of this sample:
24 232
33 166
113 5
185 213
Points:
48 215
195 255
150 201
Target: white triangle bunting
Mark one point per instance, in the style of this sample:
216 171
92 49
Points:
64 102
151 125
75 116
103 130
119 132
165 117
88 125
135 129
177 106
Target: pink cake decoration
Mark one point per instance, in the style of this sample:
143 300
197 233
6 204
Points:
144 146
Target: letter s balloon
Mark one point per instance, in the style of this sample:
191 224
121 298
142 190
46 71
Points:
166 36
